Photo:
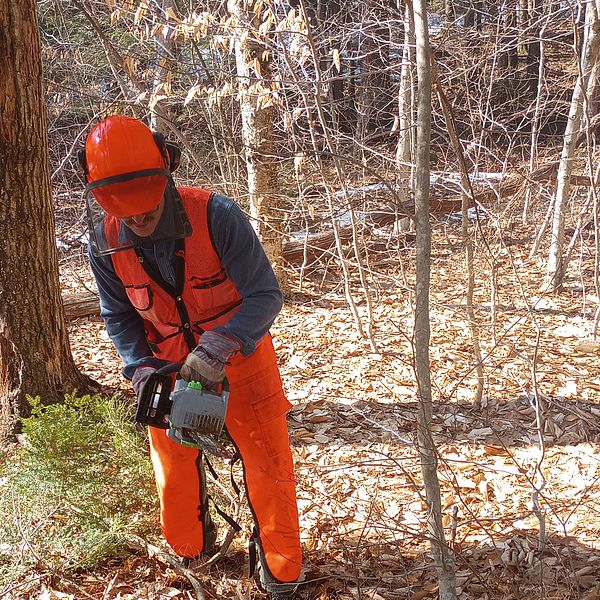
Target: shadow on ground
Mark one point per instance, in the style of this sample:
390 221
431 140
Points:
506 423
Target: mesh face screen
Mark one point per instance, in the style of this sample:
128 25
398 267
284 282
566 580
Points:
180 227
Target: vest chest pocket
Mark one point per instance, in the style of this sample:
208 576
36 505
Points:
140 296
213 292
156 308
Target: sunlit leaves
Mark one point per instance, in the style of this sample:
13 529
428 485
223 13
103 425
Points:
191 94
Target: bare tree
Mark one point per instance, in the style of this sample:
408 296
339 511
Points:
35 356
405 106
557 265
257 110
443 559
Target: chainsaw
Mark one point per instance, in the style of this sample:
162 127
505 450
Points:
192 415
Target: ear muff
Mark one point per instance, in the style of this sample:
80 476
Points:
170 151
159 138
174 153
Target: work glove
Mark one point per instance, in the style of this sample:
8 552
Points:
140 376
206 363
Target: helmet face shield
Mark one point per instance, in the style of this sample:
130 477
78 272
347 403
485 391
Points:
130 193
175 221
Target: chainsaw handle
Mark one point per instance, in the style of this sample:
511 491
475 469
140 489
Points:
169 368
174 367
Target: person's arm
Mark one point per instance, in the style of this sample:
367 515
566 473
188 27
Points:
248 267
123 323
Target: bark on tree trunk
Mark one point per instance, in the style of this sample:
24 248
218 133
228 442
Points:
35 356
258 117
442 556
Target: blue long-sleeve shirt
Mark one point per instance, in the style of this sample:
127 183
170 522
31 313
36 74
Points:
243 259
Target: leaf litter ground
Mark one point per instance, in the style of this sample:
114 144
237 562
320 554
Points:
520 486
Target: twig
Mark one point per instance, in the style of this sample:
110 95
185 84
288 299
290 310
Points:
15 586
155 552
222 549
109 587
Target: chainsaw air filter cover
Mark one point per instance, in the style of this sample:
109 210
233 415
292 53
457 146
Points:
198 409
198 418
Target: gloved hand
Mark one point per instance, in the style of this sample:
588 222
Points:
140 376
206 363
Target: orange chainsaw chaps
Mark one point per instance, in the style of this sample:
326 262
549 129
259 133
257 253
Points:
271 488
178 480
256 421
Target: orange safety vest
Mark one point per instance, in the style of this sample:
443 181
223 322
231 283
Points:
208 298
257 407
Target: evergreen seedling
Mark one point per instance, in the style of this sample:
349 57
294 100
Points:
78 486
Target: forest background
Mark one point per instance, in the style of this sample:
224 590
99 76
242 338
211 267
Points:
307 113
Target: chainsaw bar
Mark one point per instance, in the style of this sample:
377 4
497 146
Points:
221 446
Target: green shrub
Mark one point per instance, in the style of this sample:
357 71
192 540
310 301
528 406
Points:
81 482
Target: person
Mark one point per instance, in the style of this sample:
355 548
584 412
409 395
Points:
182 277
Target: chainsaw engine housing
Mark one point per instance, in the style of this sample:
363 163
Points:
193 416
196 413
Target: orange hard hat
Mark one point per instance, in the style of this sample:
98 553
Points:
125 149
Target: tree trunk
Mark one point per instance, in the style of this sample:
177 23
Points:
534 44
374 98
508 58
442 556
258 117
326 15
404 150
594 107
469 15
521 24
35 356
556 266
535 120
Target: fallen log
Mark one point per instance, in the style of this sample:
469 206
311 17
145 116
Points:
84 304
314 245
444 199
